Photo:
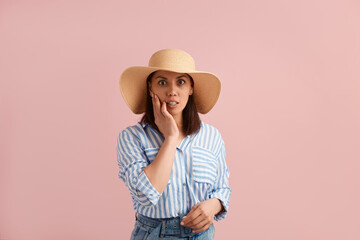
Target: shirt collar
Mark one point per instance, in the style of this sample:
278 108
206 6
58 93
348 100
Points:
143 124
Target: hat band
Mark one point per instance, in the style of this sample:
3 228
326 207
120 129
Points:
175 69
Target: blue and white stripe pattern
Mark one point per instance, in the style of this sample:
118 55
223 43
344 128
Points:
199 171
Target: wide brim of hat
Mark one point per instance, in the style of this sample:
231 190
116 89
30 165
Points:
207 87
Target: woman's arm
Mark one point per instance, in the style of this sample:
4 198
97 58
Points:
159 171
147 181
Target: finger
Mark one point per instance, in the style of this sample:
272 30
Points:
191 215
193 209
191 223
188 217
198 222
164 110
153 103
204 228
156 105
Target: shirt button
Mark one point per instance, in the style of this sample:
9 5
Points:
184 184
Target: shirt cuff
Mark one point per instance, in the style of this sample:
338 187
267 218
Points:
145 187
222 214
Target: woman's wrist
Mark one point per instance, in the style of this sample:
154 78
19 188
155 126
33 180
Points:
169 142
218 207
172 138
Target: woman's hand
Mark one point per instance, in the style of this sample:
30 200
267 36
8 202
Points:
201 216
163 119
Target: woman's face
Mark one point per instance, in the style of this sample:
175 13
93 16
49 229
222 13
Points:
172 88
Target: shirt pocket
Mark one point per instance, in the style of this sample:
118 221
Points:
204 165
151 154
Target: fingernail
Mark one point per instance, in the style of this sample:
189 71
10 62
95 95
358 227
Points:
182 223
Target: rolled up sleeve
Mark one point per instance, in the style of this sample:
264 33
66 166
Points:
132 160
221 188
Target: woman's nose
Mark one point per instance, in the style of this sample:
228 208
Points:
172 91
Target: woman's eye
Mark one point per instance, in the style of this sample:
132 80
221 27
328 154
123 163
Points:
161 82
181 81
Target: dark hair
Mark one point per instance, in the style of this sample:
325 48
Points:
191 119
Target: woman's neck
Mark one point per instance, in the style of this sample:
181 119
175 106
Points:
179 123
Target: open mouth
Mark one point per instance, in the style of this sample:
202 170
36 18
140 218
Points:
172 103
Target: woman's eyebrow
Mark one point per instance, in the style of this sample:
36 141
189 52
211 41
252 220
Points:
181 76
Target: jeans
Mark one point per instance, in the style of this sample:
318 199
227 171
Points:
166 229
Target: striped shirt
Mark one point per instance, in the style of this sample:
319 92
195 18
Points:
199 171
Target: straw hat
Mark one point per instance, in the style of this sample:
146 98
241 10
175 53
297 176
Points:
207 86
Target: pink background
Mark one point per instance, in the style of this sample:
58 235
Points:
289 112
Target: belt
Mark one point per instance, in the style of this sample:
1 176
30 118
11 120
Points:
165 227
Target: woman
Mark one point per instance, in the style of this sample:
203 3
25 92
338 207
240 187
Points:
172 162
